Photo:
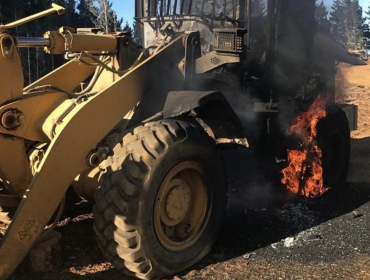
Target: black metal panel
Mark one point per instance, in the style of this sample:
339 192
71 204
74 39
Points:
351 113
180 102
192 53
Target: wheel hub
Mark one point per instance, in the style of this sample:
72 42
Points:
181 207
177 203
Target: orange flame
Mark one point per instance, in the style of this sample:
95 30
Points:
304 172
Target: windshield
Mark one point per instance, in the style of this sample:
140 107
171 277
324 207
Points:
189 15
216 9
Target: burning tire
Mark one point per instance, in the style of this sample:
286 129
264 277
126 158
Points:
161 199
334 141
321 161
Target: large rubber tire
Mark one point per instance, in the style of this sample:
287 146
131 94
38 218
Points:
128 229
334 139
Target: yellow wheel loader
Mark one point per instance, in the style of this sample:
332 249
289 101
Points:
135 127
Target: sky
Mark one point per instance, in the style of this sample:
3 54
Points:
364 3
126 8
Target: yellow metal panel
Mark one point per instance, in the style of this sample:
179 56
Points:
67 77
15 171
66 41
14 164
105 80
93 43
35 108
10 70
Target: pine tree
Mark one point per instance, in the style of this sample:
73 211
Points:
367 17
336 21
359 21
116 24
366 30
347 23
353 23
71 15
35 62
321 15
85 16
105 17
128 28
136 35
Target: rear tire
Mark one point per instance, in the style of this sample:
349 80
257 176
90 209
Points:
334 139
161 199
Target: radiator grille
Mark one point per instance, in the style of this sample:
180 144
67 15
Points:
229 40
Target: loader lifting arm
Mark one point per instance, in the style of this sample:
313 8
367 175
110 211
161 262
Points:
72 125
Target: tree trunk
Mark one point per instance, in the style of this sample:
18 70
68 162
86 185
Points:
29 65
106 16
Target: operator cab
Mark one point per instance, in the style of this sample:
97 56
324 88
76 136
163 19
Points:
162 19
159 21
273 38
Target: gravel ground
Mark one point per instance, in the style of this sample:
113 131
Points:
266 234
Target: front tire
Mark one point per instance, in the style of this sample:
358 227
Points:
161 199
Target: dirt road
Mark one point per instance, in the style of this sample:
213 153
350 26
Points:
265 235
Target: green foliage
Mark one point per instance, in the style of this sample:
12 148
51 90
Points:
347 23
35 62
336 21
128 28
105 17
366 30
321 15
85 17
137 33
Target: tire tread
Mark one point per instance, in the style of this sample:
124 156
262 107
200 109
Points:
140 147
